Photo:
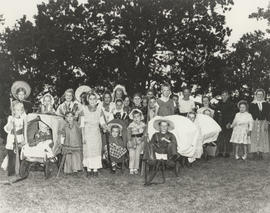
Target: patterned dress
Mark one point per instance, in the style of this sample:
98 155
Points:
242 124
93 146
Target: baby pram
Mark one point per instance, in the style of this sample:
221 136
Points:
42 143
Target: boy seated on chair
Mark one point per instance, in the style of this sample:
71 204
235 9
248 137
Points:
117 145
164 143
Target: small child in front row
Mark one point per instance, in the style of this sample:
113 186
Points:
72 144
117 145
15 125
135 145
164 142
242 126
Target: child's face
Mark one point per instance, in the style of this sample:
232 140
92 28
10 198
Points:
119 105
164 127
92 100
118 93
18 110
186 93
152 103
192 117
166 91
137 100
68 96
126 102
150 94
242 108
21 95
137 117
115 132
175 99
107 99
70 118
47 101
145 102
205 102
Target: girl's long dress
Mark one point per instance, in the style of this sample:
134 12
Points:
93 146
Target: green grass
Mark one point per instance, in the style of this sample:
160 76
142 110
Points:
218 185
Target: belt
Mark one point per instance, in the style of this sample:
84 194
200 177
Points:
137 135
18 132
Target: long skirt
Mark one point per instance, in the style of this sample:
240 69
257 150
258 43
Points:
73 162
259 137
92 148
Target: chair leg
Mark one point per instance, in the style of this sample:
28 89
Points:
163 171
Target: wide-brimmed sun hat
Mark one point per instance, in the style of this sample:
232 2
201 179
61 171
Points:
20 85
80 90
157 123
132 113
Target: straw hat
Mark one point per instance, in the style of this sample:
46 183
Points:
135 110
20 84
47 95
157 122
81 90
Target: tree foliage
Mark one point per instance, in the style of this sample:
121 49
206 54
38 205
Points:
104 42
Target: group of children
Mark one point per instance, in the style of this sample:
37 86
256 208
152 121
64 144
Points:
114 127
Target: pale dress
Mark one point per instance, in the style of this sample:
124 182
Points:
242 124
93 146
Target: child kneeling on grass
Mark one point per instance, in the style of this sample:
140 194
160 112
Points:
242 126
135 145
117 145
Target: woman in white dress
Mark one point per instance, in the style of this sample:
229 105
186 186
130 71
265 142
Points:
92 143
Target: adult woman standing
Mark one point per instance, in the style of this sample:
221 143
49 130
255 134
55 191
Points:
92 143
260 111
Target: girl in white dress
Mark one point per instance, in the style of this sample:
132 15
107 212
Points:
242 127
92 143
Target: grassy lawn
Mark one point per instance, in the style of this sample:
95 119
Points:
218 185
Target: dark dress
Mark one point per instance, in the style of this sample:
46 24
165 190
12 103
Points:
225 114
165 108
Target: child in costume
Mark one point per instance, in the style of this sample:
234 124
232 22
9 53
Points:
69 105
117 145
46 106
71 139
242 126
164 142
135 145
15 125
166 105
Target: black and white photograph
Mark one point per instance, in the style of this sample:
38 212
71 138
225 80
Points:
155 106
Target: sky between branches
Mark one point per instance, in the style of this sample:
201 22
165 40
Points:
237 19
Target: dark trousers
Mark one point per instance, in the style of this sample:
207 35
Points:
223 144
11 162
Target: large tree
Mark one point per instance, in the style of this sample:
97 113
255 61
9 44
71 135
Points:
134 42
